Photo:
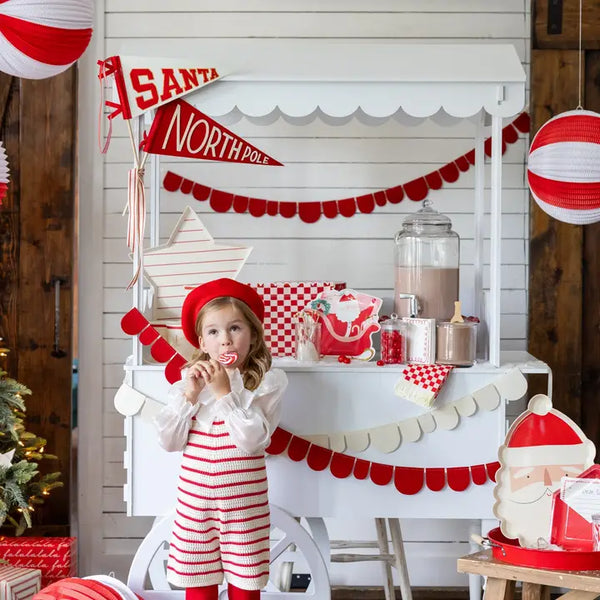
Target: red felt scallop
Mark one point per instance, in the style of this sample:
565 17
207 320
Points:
435 479
470 156
522 122
347 207
288 209
161 350
380 198
416 189
172 181
240 204
487 147
133 322
341 465
257 207
309 212
449 172
272 208
187 185
510 135
459 478
462 163
147 336
394 195
173 368
279 441
434 180
478 474
491 469
201 192
361 468
318 458
298 448
381 474
330 209
365 203
221 201
409 480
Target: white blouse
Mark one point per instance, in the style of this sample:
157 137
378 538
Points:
250 416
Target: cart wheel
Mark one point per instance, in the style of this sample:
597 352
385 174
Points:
290 544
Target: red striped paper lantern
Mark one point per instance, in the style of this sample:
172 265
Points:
563 169
41 38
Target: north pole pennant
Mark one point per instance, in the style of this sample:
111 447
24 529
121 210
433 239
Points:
142 83
179 129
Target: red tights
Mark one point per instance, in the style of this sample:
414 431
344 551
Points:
211 592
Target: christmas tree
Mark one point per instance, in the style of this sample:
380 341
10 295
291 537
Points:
22 487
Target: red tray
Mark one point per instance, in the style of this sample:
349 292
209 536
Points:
511 551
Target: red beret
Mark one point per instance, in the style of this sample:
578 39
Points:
210 290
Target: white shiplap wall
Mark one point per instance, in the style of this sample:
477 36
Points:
322 162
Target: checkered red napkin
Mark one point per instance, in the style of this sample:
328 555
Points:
422 383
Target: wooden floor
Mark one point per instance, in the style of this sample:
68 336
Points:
376 593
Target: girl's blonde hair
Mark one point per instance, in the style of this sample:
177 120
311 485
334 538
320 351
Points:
259 360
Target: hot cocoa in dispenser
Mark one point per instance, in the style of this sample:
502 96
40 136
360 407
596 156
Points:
427 261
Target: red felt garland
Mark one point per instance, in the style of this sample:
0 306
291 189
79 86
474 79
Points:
310 212
407 480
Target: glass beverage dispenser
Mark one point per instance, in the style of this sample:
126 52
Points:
427 261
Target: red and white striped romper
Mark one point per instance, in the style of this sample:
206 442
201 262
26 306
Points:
222 523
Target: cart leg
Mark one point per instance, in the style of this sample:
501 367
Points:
398 546
382 542
535 591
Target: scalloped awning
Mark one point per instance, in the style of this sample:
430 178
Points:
299 79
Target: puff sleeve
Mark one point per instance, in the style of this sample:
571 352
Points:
174 420
251 417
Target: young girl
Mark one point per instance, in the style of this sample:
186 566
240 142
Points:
222 415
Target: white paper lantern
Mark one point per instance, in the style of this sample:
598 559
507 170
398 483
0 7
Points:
41 38
564 167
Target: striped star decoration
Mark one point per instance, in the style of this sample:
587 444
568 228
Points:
189 258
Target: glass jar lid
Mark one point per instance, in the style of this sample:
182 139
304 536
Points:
426 217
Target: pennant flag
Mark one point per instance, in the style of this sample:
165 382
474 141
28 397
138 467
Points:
142 83
179 129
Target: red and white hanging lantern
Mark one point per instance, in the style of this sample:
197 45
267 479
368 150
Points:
3 173
563 169
41 38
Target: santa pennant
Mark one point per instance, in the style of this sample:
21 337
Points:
179 129
142 83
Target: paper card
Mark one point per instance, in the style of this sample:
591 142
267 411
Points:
420 340
582 495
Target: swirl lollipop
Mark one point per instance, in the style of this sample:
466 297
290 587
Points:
228 358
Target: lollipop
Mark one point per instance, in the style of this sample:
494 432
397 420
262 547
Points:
228 358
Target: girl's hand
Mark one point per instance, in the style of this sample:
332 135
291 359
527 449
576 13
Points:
214 375
194 383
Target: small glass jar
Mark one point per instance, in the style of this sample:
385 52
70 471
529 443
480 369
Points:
308 341
393 341
456 343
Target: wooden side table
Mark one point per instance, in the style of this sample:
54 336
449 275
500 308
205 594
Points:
582 585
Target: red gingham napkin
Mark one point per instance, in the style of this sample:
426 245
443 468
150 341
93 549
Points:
422 383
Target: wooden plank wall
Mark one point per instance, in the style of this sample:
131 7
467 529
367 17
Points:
37 124
322 162
564 264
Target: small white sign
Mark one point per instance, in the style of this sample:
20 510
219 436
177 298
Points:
581 495
420 340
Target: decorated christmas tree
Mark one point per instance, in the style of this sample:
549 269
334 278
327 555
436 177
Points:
22 487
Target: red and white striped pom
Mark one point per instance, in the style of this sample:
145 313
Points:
3 173
564 167
41 38
228 358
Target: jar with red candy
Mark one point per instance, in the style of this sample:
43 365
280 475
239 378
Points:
393 341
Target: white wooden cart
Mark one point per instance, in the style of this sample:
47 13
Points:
335 81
